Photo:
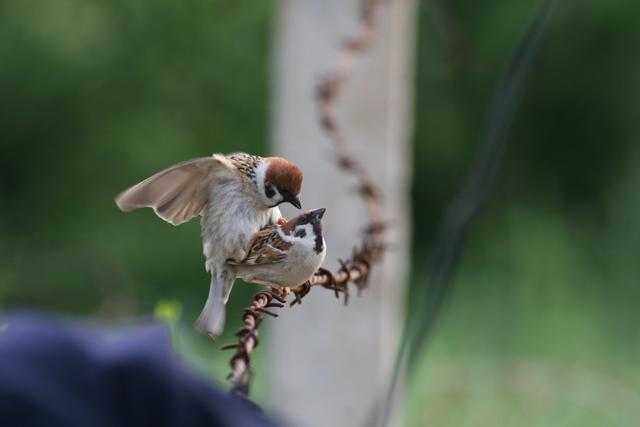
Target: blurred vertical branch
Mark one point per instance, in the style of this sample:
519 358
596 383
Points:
467 204
355 269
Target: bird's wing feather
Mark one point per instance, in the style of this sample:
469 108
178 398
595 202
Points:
266 247
179 193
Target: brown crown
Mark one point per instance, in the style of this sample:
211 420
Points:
284 174
305 218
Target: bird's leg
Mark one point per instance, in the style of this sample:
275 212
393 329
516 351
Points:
300 292
281 291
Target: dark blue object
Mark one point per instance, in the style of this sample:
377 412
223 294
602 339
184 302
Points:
53 373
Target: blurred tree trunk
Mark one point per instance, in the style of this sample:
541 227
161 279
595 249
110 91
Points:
327 362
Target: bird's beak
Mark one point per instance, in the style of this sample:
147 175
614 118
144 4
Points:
294 201
317 214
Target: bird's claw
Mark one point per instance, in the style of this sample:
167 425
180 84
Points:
300 292
281 291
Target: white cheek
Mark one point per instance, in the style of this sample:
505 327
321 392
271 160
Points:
261 173
308 240
277 198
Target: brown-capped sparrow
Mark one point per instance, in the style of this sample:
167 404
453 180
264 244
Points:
285 256
235 195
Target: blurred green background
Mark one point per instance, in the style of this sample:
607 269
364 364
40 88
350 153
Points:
542 326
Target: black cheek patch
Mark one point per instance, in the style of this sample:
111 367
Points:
269 191
317 229
301 233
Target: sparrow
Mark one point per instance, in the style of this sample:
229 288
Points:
235 196
284 256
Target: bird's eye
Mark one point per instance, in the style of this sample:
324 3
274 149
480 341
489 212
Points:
301 233
269 191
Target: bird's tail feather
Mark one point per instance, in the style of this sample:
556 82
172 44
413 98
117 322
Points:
211 319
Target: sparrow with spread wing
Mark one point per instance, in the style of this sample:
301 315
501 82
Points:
285 255
235 195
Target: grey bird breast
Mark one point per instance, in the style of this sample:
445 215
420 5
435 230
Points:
229 223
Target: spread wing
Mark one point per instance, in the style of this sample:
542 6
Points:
179 193
266 247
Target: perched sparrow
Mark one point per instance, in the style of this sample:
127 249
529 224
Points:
286 255
236 195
